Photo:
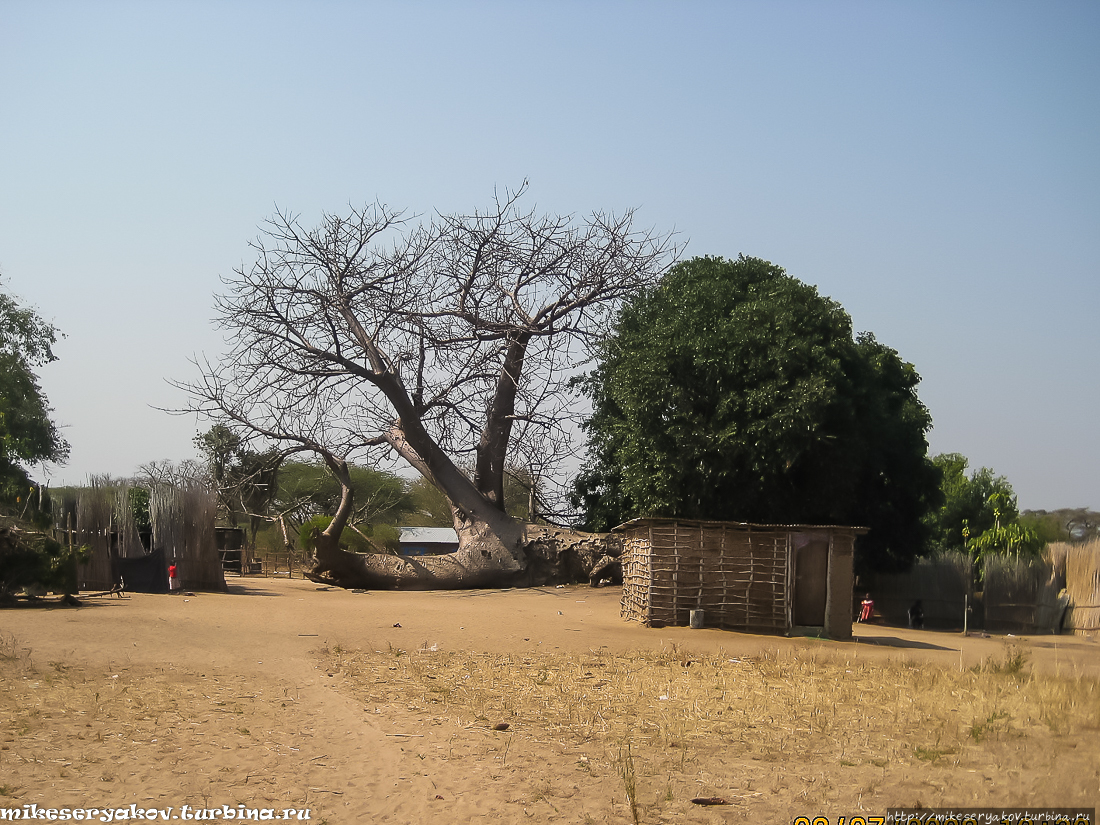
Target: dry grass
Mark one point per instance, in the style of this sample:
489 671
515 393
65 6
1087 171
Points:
590 737
673 717
106 732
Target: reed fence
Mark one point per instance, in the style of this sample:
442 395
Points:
1057 592
1078 566
99 516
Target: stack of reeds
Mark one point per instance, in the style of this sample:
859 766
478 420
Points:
129 542
1078 565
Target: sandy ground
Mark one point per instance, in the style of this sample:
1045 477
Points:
227 699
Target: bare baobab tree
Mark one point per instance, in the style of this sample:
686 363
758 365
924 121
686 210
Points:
448 341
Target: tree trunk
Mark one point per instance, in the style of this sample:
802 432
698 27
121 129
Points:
503 554
494 549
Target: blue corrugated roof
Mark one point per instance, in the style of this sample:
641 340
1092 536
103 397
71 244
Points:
428 535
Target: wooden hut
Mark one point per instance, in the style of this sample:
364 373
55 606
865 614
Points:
770 578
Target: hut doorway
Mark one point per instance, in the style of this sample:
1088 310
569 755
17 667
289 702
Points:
811 578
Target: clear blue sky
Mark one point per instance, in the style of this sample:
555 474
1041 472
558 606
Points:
933 166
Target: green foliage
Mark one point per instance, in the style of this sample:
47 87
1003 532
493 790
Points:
308 495
28 557
1013 538
369 540
430 507
219 446
734 391
979 515
138 501
518 491
386 536
972 505
305 532
27 433
308 488
245 480
1065 524
1048 527
1012 662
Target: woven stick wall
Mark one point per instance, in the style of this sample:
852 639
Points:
736 574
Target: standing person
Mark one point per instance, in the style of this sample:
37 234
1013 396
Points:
173 579
916 616
866 608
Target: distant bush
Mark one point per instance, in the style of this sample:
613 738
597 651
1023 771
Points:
371 540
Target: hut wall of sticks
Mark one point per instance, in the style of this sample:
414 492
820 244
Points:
756 577
183 527
181 523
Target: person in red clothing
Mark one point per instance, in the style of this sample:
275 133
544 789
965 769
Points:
866 608
173 579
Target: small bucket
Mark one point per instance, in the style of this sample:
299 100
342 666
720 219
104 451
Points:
695 619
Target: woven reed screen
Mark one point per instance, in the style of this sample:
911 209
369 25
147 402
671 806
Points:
92 528
1081 564
183 526
737 574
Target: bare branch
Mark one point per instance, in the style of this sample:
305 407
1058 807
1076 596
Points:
432 339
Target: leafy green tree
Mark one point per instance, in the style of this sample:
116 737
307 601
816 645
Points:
431 508
28 435
732 390
971 504
308 489
1005 536
29 557
1047 528
1013 538
1065 524
245 480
